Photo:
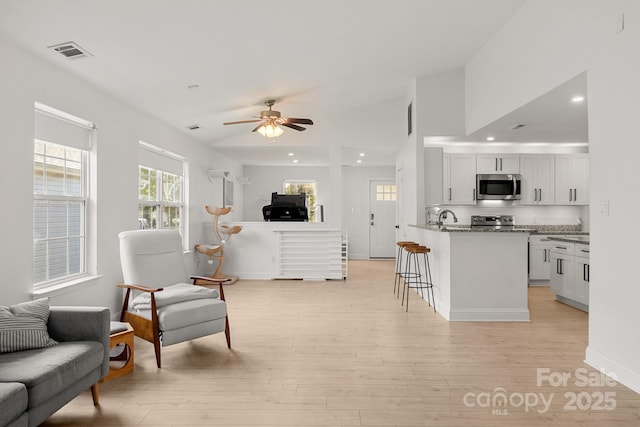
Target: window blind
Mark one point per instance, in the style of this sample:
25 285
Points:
61 128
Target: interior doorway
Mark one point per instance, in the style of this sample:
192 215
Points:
382 211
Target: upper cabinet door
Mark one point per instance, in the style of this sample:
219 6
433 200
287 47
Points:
498 163
537 172
572 179
462 180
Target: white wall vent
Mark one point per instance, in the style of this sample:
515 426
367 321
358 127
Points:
70 50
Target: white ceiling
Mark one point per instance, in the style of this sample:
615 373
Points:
318 59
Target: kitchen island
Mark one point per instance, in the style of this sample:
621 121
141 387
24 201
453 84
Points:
478 274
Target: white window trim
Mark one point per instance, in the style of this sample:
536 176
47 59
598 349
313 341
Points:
89 257
185 187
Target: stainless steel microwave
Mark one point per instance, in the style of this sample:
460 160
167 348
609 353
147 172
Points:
498 186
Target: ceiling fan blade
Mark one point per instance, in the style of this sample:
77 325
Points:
292 126
257 127
242 121
300 121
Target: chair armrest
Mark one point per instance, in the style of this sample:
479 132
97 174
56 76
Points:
210 279
139 288
82 324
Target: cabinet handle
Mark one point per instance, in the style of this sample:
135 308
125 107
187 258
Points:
539 194
449 193
588 272
545 255
474 194
561 247
535 194
575 195
501 163
570 195
496 163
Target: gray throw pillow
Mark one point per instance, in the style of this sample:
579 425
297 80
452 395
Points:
24 326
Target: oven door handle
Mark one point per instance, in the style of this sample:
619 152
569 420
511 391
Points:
515 186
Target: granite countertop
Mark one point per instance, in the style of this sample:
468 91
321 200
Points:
584 239
561 230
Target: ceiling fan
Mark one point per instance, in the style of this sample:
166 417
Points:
271 120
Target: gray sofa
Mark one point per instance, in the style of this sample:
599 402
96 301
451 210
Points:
36 383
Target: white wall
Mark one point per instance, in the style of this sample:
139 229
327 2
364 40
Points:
270 179
27 79
355 203
544 44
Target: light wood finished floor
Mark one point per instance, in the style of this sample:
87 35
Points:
340 353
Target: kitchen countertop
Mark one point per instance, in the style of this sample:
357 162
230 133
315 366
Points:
584 239
561 230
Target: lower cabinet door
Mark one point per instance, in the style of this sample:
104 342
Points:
582 280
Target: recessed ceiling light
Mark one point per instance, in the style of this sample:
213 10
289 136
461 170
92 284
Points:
361 154
491 138
577 99
295 161
290 154
358 161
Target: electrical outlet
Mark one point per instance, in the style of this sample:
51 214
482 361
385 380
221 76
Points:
604 208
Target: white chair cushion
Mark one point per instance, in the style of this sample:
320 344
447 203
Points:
187 313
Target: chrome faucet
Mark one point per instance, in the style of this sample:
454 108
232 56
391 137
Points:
443 215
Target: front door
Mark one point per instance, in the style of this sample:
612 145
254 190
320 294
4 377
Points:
382 211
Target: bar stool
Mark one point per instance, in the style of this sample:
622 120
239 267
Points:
415 279
398 276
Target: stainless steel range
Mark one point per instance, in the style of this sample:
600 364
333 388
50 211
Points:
495 222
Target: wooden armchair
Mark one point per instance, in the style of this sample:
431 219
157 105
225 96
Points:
160 306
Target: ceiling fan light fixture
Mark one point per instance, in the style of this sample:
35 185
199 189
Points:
270 130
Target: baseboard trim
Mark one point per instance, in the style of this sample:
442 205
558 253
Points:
619 372
489 315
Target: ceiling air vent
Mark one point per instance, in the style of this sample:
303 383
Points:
70 50
518 126
194 127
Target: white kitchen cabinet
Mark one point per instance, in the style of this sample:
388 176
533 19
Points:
582 274
570 273
459 179
539 258
537 183
562 270
433 175
572 179
498 163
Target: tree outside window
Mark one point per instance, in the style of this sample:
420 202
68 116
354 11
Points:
164 208
310 189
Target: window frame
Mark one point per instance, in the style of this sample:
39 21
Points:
43 198
314 216
158 202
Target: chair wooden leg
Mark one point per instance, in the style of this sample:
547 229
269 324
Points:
156 345
227 332
95 395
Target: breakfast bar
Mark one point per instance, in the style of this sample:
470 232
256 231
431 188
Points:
478 274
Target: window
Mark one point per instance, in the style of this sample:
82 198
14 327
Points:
310 189
60 196
161 190
385 192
